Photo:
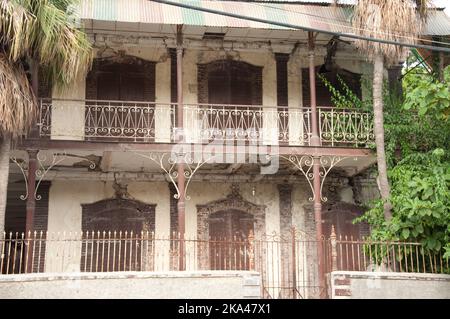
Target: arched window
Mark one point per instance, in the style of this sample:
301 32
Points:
124 78
120 94
106 247
229 88
230 82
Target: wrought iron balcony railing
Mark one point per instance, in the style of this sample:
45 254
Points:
106 120
155 122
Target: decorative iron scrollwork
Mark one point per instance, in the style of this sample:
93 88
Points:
168 163
24 170
305 164
42 170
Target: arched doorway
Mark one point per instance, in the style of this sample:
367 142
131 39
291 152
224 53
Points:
341 216
120 94
112 235
231 89
233 82
219 220
230 231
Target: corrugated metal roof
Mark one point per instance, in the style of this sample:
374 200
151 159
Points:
326 18
438 23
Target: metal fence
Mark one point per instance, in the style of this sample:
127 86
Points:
349 254
288 264
140 122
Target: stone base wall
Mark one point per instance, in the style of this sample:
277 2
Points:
132 285
388 285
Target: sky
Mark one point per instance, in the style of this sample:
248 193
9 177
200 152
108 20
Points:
443 3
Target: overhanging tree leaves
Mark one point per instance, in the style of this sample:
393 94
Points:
394 20
34 33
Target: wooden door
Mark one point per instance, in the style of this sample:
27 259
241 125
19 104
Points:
349 234
233 88
112 238
229 232
125 93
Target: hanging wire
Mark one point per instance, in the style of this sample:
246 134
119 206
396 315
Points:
349 26
291 26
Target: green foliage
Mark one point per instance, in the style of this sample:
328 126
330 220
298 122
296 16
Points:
343 97
417 141
420 198
430 97
47 32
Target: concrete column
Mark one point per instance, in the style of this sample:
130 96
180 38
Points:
180 166
315 141
163 113
295 102
68 112
270 115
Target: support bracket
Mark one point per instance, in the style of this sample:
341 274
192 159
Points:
56 159
305 163
168 162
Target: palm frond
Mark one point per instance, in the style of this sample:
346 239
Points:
45 31
16 29
17 102
64 50
395 20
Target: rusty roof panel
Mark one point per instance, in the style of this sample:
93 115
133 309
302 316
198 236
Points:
326 18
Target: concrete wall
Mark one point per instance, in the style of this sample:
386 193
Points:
389 285
65 215
129 285
66 198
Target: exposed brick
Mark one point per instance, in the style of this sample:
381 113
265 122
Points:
343 292
285 207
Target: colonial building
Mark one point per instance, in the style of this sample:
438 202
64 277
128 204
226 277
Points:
192 131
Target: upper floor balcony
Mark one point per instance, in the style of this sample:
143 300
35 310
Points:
151 122
131 97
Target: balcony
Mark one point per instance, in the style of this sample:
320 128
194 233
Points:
144 122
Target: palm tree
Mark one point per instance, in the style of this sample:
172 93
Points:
34 33
394 20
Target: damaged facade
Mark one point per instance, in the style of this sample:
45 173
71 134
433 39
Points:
102 148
